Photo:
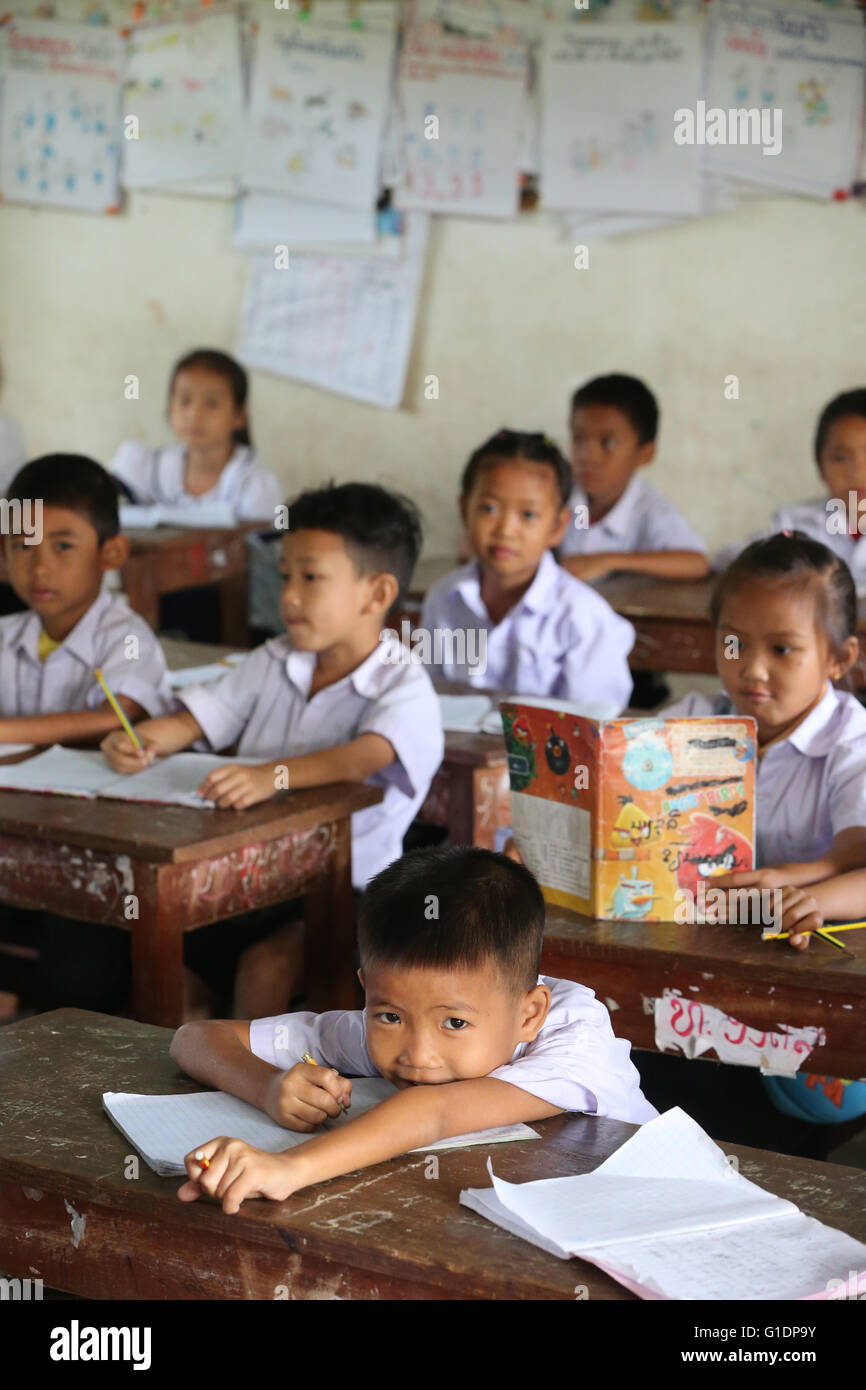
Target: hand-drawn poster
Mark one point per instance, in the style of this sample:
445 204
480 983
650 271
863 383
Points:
317 111
462 102
183 84
608 96
808 66
344 324
60 121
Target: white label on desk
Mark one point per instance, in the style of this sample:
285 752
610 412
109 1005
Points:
554 841
694 1028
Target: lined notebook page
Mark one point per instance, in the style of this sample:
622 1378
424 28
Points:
669 1217
72 772
165 1128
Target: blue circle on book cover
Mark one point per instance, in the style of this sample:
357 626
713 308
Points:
647 764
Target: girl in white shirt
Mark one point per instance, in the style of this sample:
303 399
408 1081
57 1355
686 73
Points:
215 460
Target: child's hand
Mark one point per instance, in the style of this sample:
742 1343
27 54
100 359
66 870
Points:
767 879
121 754
235 1172
800 914
589 568
238 786
305 1096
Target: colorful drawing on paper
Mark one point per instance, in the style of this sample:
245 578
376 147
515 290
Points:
59 134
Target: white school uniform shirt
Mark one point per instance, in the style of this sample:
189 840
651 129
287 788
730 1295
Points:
575 1062
155 476
641 520
65 681
266 704
13 454
560 639
809 786
811 518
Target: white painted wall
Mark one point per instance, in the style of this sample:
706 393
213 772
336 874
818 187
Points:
773 293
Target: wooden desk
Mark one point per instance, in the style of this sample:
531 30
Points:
186 868
170 558
69 1215
470 792
761 984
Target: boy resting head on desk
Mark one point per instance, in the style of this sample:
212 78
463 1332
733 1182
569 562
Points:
67 540
328 702
457 1017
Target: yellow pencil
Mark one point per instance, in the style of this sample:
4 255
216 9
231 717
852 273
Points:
308 1057
783 935
112 700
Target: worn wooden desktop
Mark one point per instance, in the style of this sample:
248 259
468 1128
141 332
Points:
71 1215
188 867
761 984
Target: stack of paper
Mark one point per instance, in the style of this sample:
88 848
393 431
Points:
668 1217
73 772
213 670
165 1128
469 714
218 515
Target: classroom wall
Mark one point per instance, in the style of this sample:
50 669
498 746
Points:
773 293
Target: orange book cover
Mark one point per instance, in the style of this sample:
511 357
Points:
624 818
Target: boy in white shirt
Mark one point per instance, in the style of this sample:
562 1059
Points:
536 630
328 702
457 1017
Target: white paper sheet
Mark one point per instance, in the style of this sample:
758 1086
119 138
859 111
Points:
671 1218
463 105
60 119
469 714
608 95
694 1028
317 111
200 675
807 64
215 515
75 772
344 324
266 220
165 1128
183 82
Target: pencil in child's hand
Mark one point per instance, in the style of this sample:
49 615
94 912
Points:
310 1059
112 700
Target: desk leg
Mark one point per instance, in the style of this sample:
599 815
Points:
234 620
330 981
157 945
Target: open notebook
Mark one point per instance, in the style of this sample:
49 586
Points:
667 1216
217 515
165 1128
74 772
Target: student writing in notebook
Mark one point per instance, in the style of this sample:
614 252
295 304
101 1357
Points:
457 1017
540 631
214 460
327 702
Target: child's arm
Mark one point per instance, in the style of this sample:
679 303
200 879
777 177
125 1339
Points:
159 737
847 852
74 726
835 900
240 786
409 1120
218 1051
663 564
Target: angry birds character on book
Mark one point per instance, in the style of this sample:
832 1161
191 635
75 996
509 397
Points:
632 827
711 849
647 763
633 897
520 750
556 753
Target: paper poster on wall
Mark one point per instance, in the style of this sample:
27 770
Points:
317 111
265 220
60 122
799 76
344 324
608 95
183 84
463 103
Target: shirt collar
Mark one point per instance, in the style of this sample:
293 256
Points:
467 583
367 678
78 643
813 737
619 521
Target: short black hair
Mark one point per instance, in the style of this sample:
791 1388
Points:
516 444
794 558
627 394
849 403
451 906
212 360
73 481
381 529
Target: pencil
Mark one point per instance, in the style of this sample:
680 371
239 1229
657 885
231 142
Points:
308 1057
112 700
783 935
